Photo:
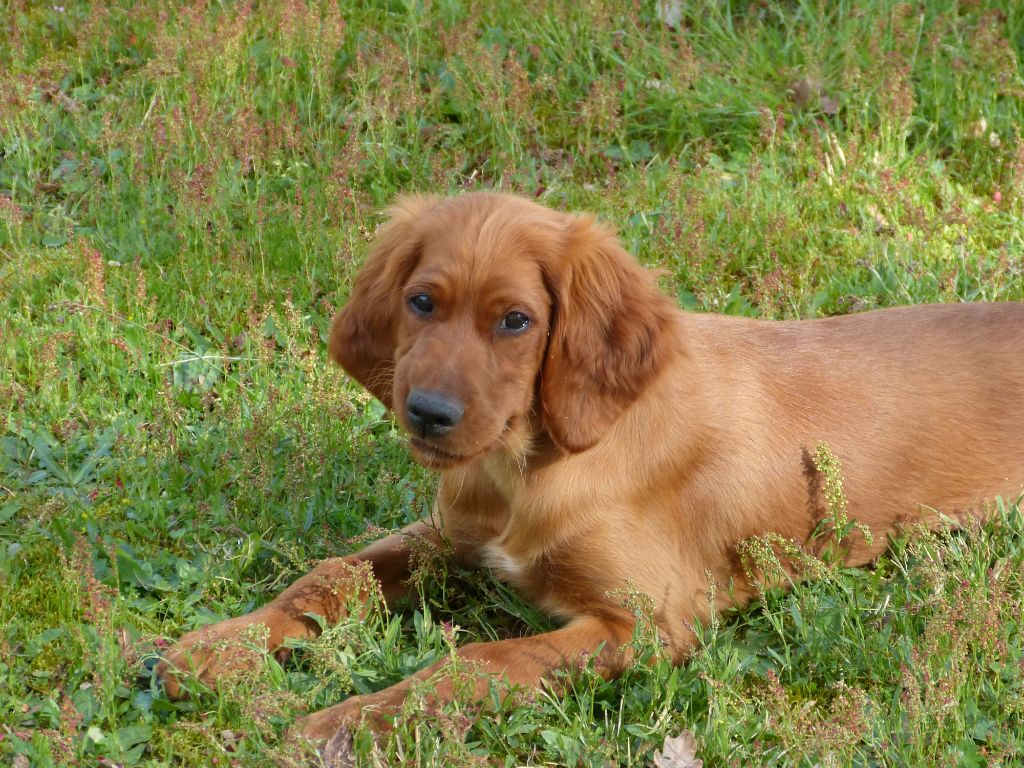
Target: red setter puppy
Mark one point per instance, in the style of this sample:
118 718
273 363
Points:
591 436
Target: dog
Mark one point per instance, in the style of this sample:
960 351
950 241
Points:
592 437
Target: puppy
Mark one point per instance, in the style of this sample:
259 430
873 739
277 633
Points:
591 437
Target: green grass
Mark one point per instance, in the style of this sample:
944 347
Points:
185 194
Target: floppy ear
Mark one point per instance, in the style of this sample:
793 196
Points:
611 335
362 338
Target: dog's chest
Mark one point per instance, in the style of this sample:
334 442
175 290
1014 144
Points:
541 581
505 566
495 554
520 553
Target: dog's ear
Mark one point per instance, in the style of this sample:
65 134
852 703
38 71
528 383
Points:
610 335
362 338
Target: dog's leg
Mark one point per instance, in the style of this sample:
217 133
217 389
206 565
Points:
226 646
522 661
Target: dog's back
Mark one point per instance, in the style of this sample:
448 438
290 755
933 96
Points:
924 406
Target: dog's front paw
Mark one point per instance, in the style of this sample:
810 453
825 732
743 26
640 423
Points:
330 730
320 727
231 647
377 710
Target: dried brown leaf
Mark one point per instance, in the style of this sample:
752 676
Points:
338 752
669 13
803 90
678 752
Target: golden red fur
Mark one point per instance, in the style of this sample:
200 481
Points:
612 439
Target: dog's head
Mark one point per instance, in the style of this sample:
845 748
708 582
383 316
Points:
475 312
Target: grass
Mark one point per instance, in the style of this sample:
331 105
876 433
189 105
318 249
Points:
185 193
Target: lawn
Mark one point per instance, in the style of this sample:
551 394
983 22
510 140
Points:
186 191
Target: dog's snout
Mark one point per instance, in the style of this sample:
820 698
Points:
432 414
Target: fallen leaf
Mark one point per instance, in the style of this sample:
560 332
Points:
669 12
67 102
806 92
57 95
678 752
803 90
338 751
229 740
882 225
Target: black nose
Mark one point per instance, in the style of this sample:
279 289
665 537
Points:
431 414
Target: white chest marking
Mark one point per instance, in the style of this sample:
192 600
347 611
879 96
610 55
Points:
502 563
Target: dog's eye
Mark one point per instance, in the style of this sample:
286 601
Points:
422 303
514 321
